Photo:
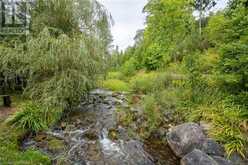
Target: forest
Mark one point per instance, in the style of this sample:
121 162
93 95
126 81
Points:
179 95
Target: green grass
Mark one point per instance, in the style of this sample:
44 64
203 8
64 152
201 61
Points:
34 117
116 85
9 149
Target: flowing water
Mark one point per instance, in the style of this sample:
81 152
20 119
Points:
83 137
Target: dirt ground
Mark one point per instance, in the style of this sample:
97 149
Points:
6 111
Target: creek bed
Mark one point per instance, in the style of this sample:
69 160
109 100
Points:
83 137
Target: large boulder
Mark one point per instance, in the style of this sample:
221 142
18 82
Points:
186 137
197 157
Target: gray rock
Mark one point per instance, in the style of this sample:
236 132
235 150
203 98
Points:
238 160
185 138
211 147
222 161
197 157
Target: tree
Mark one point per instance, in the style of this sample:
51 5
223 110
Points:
202 6
72 17
169 23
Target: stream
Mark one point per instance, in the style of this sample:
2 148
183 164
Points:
83 137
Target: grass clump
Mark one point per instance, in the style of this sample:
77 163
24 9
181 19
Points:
34 117
227 125
115 85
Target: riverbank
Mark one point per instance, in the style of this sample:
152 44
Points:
10 139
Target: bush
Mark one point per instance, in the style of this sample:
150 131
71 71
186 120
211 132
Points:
153 58
34 117
152 112
129 67
115 85
167 99
114 75
233 66
144 82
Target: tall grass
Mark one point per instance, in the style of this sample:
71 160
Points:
34 117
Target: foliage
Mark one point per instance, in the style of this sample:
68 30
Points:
63 69
233 65
153 58
58 70
216 29
152 112
168 24
115 85
34 117
115 75
69 17
129 67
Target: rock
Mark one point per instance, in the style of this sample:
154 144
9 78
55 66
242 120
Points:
40 137
184 138
222 161
78 122
197 157
211 147
93 152
122 133
237 159
91 134
55 145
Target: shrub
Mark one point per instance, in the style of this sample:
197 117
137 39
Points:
129 67
167 99
152 112
153 57
115 85
114 75
143 82
233 66
34 117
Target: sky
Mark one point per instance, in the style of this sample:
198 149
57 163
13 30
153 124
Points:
128 18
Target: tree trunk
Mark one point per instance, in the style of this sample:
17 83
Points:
7 101
200 18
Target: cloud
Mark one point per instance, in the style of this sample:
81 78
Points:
128 18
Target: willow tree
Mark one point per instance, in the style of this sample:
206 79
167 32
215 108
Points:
65 52
72 17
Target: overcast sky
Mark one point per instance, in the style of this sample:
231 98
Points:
128 18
